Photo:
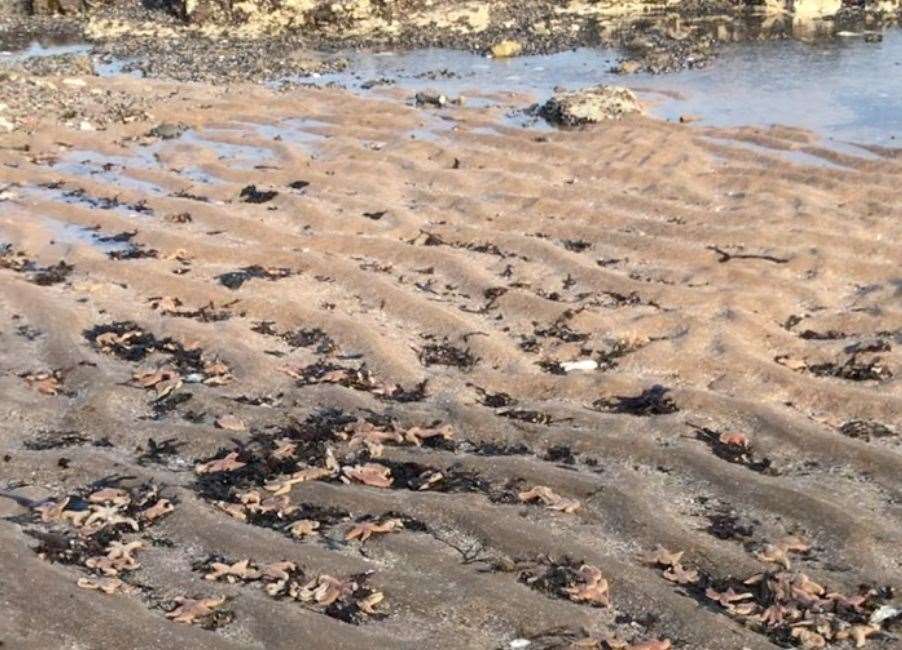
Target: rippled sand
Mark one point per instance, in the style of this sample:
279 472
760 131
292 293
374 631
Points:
708 271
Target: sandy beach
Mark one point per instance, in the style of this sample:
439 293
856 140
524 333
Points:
302 367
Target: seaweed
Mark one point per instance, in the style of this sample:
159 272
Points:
500 449
305 338
738 454
494 400
560 454
853 369
445 354
234 279
652 401
133 252
526 415
865 430
250 194
135 348
156 452
576 245
51 274
726 525
358 379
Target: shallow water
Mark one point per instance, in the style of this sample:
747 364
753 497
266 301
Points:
110 169
843 88
39 50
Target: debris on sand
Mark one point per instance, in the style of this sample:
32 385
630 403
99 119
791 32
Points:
204 611
94 529
46 382
590 105
347 599
790 608
580 365
581 583
366 529
18 262
357 379
734 448
779 551
549 499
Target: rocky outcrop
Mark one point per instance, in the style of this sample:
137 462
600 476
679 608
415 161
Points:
590 105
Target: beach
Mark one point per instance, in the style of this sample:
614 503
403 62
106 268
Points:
439 378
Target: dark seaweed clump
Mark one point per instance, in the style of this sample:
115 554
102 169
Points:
733 453
526 415
234 279
250 194
18 262
853 369
415 476
653 401
727 525
305 338
865 430
494 400
445 354
135 348
359 379
61 440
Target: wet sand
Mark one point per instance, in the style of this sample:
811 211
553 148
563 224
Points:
304 278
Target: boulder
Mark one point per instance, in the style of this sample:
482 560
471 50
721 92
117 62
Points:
590 105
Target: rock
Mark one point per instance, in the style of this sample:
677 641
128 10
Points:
430 98
6 125
630 66
590 105
505 49
167 131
